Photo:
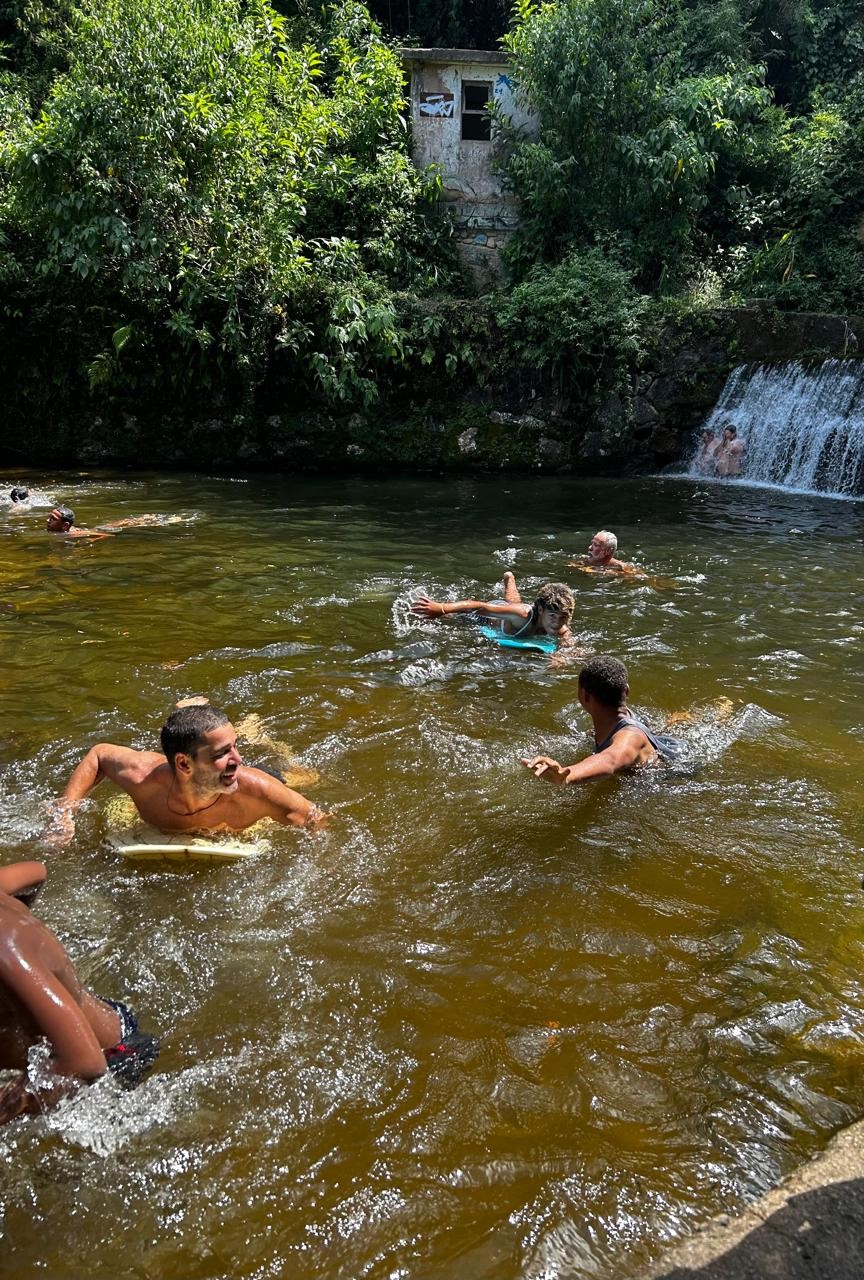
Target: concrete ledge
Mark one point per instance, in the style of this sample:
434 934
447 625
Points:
810 1227
450 57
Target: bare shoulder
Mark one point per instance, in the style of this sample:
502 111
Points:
269 792
505 608
11 915
629 747
127 765
274 799
258 782
23 938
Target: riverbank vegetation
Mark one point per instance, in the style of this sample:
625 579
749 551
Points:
213 201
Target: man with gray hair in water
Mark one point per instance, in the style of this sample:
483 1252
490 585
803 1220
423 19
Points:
601 556
199 784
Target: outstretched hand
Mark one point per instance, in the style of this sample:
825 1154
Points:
60 829
546 767
427 608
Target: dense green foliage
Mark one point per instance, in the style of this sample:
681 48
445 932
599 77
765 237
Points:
466 24
660 144
213 202
597 320
712 150
217 196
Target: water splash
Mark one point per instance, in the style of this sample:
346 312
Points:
400 612
41 1076
803 428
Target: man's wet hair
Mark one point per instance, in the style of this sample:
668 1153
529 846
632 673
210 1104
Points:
20 493
608 538
557 596
66 514
605 679
732 430
184 730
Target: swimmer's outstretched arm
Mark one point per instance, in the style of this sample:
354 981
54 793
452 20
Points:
121 764
275 800
427 608
602 765
22 877
132 522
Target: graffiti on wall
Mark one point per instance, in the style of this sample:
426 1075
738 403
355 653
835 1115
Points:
440 106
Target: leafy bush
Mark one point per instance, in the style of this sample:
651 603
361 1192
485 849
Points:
815 258
658 132
580 320
213 193
631 132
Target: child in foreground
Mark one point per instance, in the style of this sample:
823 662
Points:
42 1000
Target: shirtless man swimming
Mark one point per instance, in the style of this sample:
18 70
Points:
601 556
199 784
42 999
549 615
62 520
621 741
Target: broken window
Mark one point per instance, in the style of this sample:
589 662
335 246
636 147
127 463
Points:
476 120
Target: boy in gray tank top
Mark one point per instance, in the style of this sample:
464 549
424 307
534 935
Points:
621 741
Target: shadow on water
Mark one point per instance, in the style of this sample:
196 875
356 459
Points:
816 1236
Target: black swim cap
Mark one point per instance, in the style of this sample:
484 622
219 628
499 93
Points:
19 495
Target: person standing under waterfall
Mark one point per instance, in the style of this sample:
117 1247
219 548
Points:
727 458
706 456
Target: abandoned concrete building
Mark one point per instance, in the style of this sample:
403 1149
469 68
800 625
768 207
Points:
451 91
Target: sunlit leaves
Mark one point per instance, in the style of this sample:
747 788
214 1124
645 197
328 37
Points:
199 168
632 127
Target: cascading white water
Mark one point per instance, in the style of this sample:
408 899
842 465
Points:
803 428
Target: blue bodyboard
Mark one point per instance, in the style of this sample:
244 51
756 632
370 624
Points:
541 644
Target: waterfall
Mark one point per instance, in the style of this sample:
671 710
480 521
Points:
802 428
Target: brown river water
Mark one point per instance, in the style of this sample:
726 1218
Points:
481 1027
